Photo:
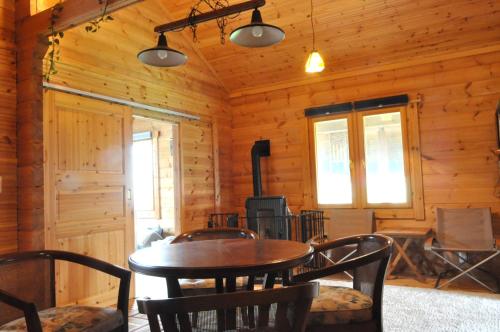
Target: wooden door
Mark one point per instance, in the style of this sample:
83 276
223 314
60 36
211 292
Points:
88 203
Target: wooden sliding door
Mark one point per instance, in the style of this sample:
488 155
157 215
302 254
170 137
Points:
88 196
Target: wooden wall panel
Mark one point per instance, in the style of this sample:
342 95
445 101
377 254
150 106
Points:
106 62
197 169
457 131
8 137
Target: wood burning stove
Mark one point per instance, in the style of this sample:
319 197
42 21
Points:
268 217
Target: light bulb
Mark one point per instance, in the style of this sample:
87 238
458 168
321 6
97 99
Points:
315 63
162 54
257 31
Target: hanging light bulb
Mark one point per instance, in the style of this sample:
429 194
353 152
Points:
314 63
162 55
257 31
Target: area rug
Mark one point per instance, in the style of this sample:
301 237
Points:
409 309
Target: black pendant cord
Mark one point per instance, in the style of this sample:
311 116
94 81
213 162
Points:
312 26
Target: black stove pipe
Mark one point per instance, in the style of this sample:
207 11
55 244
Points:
259 149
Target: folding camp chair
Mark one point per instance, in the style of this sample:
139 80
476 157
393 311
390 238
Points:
345 223
460 233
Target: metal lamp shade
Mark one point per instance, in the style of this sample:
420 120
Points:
257 33
162 55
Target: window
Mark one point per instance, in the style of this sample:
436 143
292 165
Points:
363 160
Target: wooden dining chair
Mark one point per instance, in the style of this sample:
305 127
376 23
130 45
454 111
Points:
280 309
343 308
37 300
192 287
215 234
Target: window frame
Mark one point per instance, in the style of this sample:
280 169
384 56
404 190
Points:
360 131
414 208
352 152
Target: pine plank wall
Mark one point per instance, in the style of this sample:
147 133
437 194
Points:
8 159
457 120
86 63
457 131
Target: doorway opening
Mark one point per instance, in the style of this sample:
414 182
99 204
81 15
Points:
156 191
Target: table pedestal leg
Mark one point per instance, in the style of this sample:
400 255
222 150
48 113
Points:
221 315
251 309
174 290
231 313
402 254
408 261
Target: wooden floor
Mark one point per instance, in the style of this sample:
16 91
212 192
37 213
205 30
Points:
136 321
139 322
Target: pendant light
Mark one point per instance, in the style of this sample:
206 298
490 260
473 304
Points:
315 63
162 55
257 33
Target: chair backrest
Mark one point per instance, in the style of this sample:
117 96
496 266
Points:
215 234
349 222
466 229
27 279
273 310
223 220
369 263
30 277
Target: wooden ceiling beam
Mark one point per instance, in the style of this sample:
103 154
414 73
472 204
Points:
75 12
212 15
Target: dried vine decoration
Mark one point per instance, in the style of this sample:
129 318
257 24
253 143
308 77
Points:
95 25
54 42
55 36
221 21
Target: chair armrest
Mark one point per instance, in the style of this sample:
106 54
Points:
108 268
316 240
29 309
337 268
337 243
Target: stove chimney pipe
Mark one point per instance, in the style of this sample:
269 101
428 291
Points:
259 149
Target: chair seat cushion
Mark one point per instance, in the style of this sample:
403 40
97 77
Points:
72 319
340 305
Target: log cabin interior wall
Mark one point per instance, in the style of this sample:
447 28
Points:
106 63
8 137
457 131
453 63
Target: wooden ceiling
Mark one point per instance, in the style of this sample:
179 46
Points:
350 34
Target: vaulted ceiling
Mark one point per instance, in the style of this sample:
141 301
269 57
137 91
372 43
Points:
351 34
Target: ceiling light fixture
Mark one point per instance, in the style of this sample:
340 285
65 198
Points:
315 63
162 55
255 34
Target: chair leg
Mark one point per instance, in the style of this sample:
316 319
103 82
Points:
466 271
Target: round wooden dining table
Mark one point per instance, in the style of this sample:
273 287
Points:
225 258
